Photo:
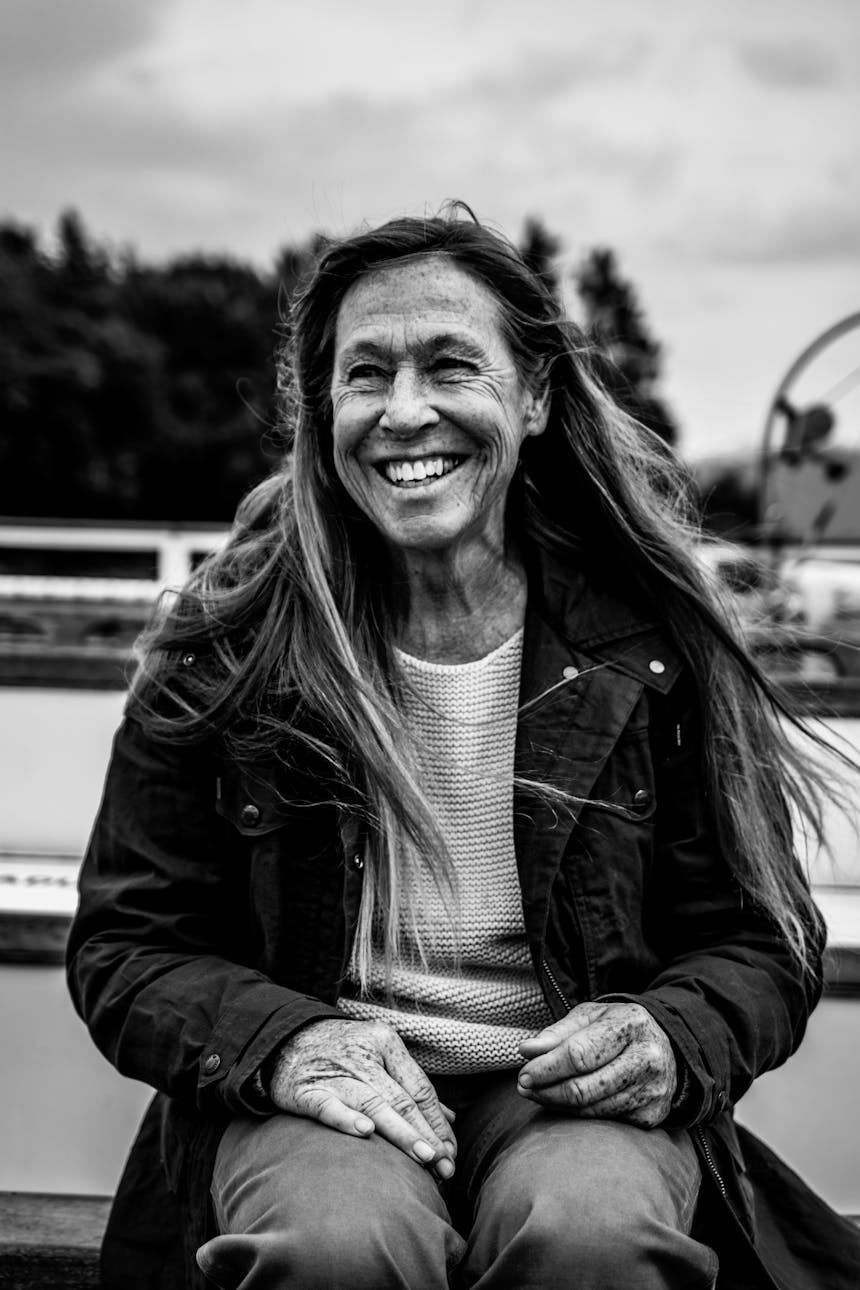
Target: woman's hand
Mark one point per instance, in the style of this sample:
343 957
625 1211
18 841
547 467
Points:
357 1077
607 1061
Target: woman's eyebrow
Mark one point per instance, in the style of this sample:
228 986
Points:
427 347
447 341
363 349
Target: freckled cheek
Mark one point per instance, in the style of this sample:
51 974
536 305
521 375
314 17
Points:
348 432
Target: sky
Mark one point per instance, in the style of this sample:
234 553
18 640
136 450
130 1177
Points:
713 144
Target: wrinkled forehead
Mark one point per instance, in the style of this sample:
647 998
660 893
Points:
417 297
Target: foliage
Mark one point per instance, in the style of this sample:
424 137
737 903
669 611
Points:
148 391
539 248
628 357
133 391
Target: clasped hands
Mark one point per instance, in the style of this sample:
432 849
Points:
602 1061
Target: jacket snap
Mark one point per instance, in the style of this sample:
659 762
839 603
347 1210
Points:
570 673
188 659
250 815
657 666
357 862
642 797
210 1066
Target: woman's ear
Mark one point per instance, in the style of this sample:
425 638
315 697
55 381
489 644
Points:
536 411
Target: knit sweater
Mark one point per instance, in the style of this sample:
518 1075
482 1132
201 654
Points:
466 1017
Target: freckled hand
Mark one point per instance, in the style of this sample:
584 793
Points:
603 1060
357 1077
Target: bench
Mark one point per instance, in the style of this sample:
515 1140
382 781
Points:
50 1242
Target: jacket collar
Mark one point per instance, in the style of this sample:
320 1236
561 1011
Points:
592 619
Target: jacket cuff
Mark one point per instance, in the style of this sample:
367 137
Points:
227 1080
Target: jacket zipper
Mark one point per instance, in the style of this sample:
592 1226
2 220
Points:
709 1160
555 985
718 1179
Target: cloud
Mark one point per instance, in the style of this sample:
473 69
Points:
823 229
788 64
44 44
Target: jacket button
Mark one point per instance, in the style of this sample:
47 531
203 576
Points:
250 815
357 862
570 673
657 666
188 659
642 797
210 1066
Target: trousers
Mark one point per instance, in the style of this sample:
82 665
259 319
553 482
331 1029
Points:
539 1200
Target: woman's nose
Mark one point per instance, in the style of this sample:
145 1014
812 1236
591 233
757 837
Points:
407 405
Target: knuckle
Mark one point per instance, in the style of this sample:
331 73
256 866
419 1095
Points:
571 1093
402 1103
424 1091
577 1052
371 1101
314 1101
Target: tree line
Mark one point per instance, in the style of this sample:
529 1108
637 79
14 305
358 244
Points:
147 391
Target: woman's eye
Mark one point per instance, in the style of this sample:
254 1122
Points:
366 372
450 363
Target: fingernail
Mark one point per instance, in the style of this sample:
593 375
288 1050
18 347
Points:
424 1152
525 1080
445 1168
363 1125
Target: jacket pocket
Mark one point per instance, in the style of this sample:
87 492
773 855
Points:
253 806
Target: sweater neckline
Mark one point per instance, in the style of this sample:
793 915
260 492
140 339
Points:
511 645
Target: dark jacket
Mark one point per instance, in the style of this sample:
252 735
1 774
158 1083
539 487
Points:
217 910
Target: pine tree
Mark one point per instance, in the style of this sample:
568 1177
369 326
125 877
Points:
630 357
539 248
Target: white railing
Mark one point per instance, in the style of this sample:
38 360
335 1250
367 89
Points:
174 549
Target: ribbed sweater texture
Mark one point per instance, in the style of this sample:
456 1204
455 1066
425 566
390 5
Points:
468 1017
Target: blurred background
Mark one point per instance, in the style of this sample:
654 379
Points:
685 175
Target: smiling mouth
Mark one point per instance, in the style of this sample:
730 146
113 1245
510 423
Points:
421 471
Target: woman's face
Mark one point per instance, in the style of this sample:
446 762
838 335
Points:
429 411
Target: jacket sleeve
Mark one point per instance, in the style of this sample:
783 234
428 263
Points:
155 958
729 994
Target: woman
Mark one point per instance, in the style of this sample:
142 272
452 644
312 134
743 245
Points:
443 883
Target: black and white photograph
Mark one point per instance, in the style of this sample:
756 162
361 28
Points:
430 645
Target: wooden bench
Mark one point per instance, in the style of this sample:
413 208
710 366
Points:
50 1242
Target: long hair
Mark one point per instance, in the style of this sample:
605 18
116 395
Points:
295 633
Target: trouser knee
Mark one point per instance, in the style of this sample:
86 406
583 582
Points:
322 1258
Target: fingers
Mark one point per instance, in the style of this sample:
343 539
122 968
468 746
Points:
618 1065
577 1019
577 1051
577 1092
358 1078
394 1119
406 1072
323 1104
356 1108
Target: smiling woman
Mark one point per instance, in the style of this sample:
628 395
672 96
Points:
429 416
443 883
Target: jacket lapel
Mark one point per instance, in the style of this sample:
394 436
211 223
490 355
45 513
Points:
573 709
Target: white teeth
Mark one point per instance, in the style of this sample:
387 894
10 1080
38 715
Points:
398 472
